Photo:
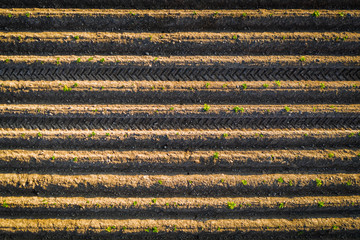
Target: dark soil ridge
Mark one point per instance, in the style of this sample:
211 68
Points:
169 23
169 72
225 234
185 4
273 96
157 212
282 120
203 142
184 47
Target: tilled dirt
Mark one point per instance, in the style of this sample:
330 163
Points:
207 119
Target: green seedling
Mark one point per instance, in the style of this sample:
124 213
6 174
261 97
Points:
7 60
216 156
287 109
331 155
318 182
315 13
278 83
27 14
281 205
244 14
160 182
155 230
153 200
53 158
237 109
225 135
244 86
108 229
234 37
334 227
175 229
92 134
78 60
131 13
172 108
283 37
155 59
291 183
224 86
102 60
135 203
190 182
9 15
58 61
322 86
348 183
222 180
207 85
351 135
341 14
231 205
76 37
320 204
216 13
75 85
206 107
75 159
244 182
107 134
19 38
66 88
5 205
302 59
194 13
90 59
265 85
39 134
280 180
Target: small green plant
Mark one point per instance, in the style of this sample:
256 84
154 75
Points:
231 205
107 134
194 13
155 230
334 227
244 182
291 183
27 14
207 85
175 229
155 59
66 88
9 15
278 83
7 60
53 158
75 159
331 155
153 200
280 180
215 14
75 85
318 182
19 38
102 60
131 13
222 180
281 205
265 85
39 134
160 182
134 203
206 107
351 135
320 204
302 59
57 61
108 229
234 37
237 109
225 135
224 86
216 156
90 59
287 109
283 37
322 86
5 205
92 134
78 60
244 86
348 183
172 108
190 182
315 13
341 14
76 37
244 14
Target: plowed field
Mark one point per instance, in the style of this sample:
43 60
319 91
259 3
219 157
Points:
209 119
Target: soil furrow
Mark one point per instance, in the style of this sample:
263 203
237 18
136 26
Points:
179 208
138 185
254 161
185 43
282 120
178 140
186 4
177 20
